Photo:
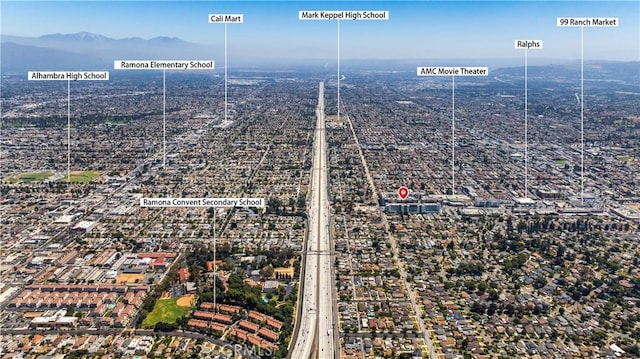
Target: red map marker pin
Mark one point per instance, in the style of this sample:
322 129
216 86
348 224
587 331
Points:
403 192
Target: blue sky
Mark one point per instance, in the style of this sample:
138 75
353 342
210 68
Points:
416 29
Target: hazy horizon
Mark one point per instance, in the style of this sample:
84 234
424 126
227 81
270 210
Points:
414 30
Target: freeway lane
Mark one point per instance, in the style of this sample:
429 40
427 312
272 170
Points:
315 334
325 332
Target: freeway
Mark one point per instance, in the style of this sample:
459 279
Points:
315 332
326 315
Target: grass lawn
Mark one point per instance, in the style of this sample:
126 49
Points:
559 162
29 177
83 176
624 158
335 118
166 311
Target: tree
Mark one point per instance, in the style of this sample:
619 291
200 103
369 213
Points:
540 282
482 287
267 271
492 308
164 327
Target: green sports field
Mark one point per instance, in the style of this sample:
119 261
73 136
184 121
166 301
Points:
165 311
335 118
29 177
625 158
83 176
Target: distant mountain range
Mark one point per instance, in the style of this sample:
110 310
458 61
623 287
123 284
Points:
88 51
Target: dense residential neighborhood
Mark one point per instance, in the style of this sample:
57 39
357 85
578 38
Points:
252 194
483 271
